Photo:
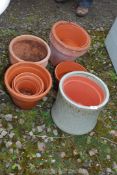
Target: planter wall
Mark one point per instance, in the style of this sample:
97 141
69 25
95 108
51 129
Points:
111 44
80 99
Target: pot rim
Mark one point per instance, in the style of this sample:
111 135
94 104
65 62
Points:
87 75
84 47
65 63
15 94
30 37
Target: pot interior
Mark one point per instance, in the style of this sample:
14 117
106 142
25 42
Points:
27 90
71 35
30 50
83 91
66 67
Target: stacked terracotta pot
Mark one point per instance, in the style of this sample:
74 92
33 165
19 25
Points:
68 41
27 80
27 83
81 95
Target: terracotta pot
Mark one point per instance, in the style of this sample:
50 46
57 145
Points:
29 48
81 97
68 41
28 84
66 67
27 102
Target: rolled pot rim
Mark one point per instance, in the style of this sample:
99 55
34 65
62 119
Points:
87 75
32 37
15 94
84 47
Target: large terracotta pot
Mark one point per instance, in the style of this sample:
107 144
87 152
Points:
23 101
28 84
29 48
68 41
80 99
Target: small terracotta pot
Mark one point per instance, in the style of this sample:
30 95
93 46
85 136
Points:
81 97
29 48
27 102
68 41
66 67
28 84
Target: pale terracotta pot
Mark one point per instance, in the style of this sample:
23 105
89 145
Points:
68 41
81 97
29 48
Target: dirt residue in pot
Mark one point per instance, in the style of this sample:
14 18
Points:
26 91
30 50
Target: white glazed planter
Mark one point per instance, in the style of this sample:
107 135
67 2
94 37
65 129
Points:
72 117
3 5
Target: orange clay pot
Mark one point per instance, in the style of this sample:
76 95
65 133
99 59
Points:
81 98
29 48
28 84
68 41
27 102
66 67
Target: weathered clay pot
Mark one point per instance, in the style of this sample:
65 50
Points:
68 41
23 101
29 48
